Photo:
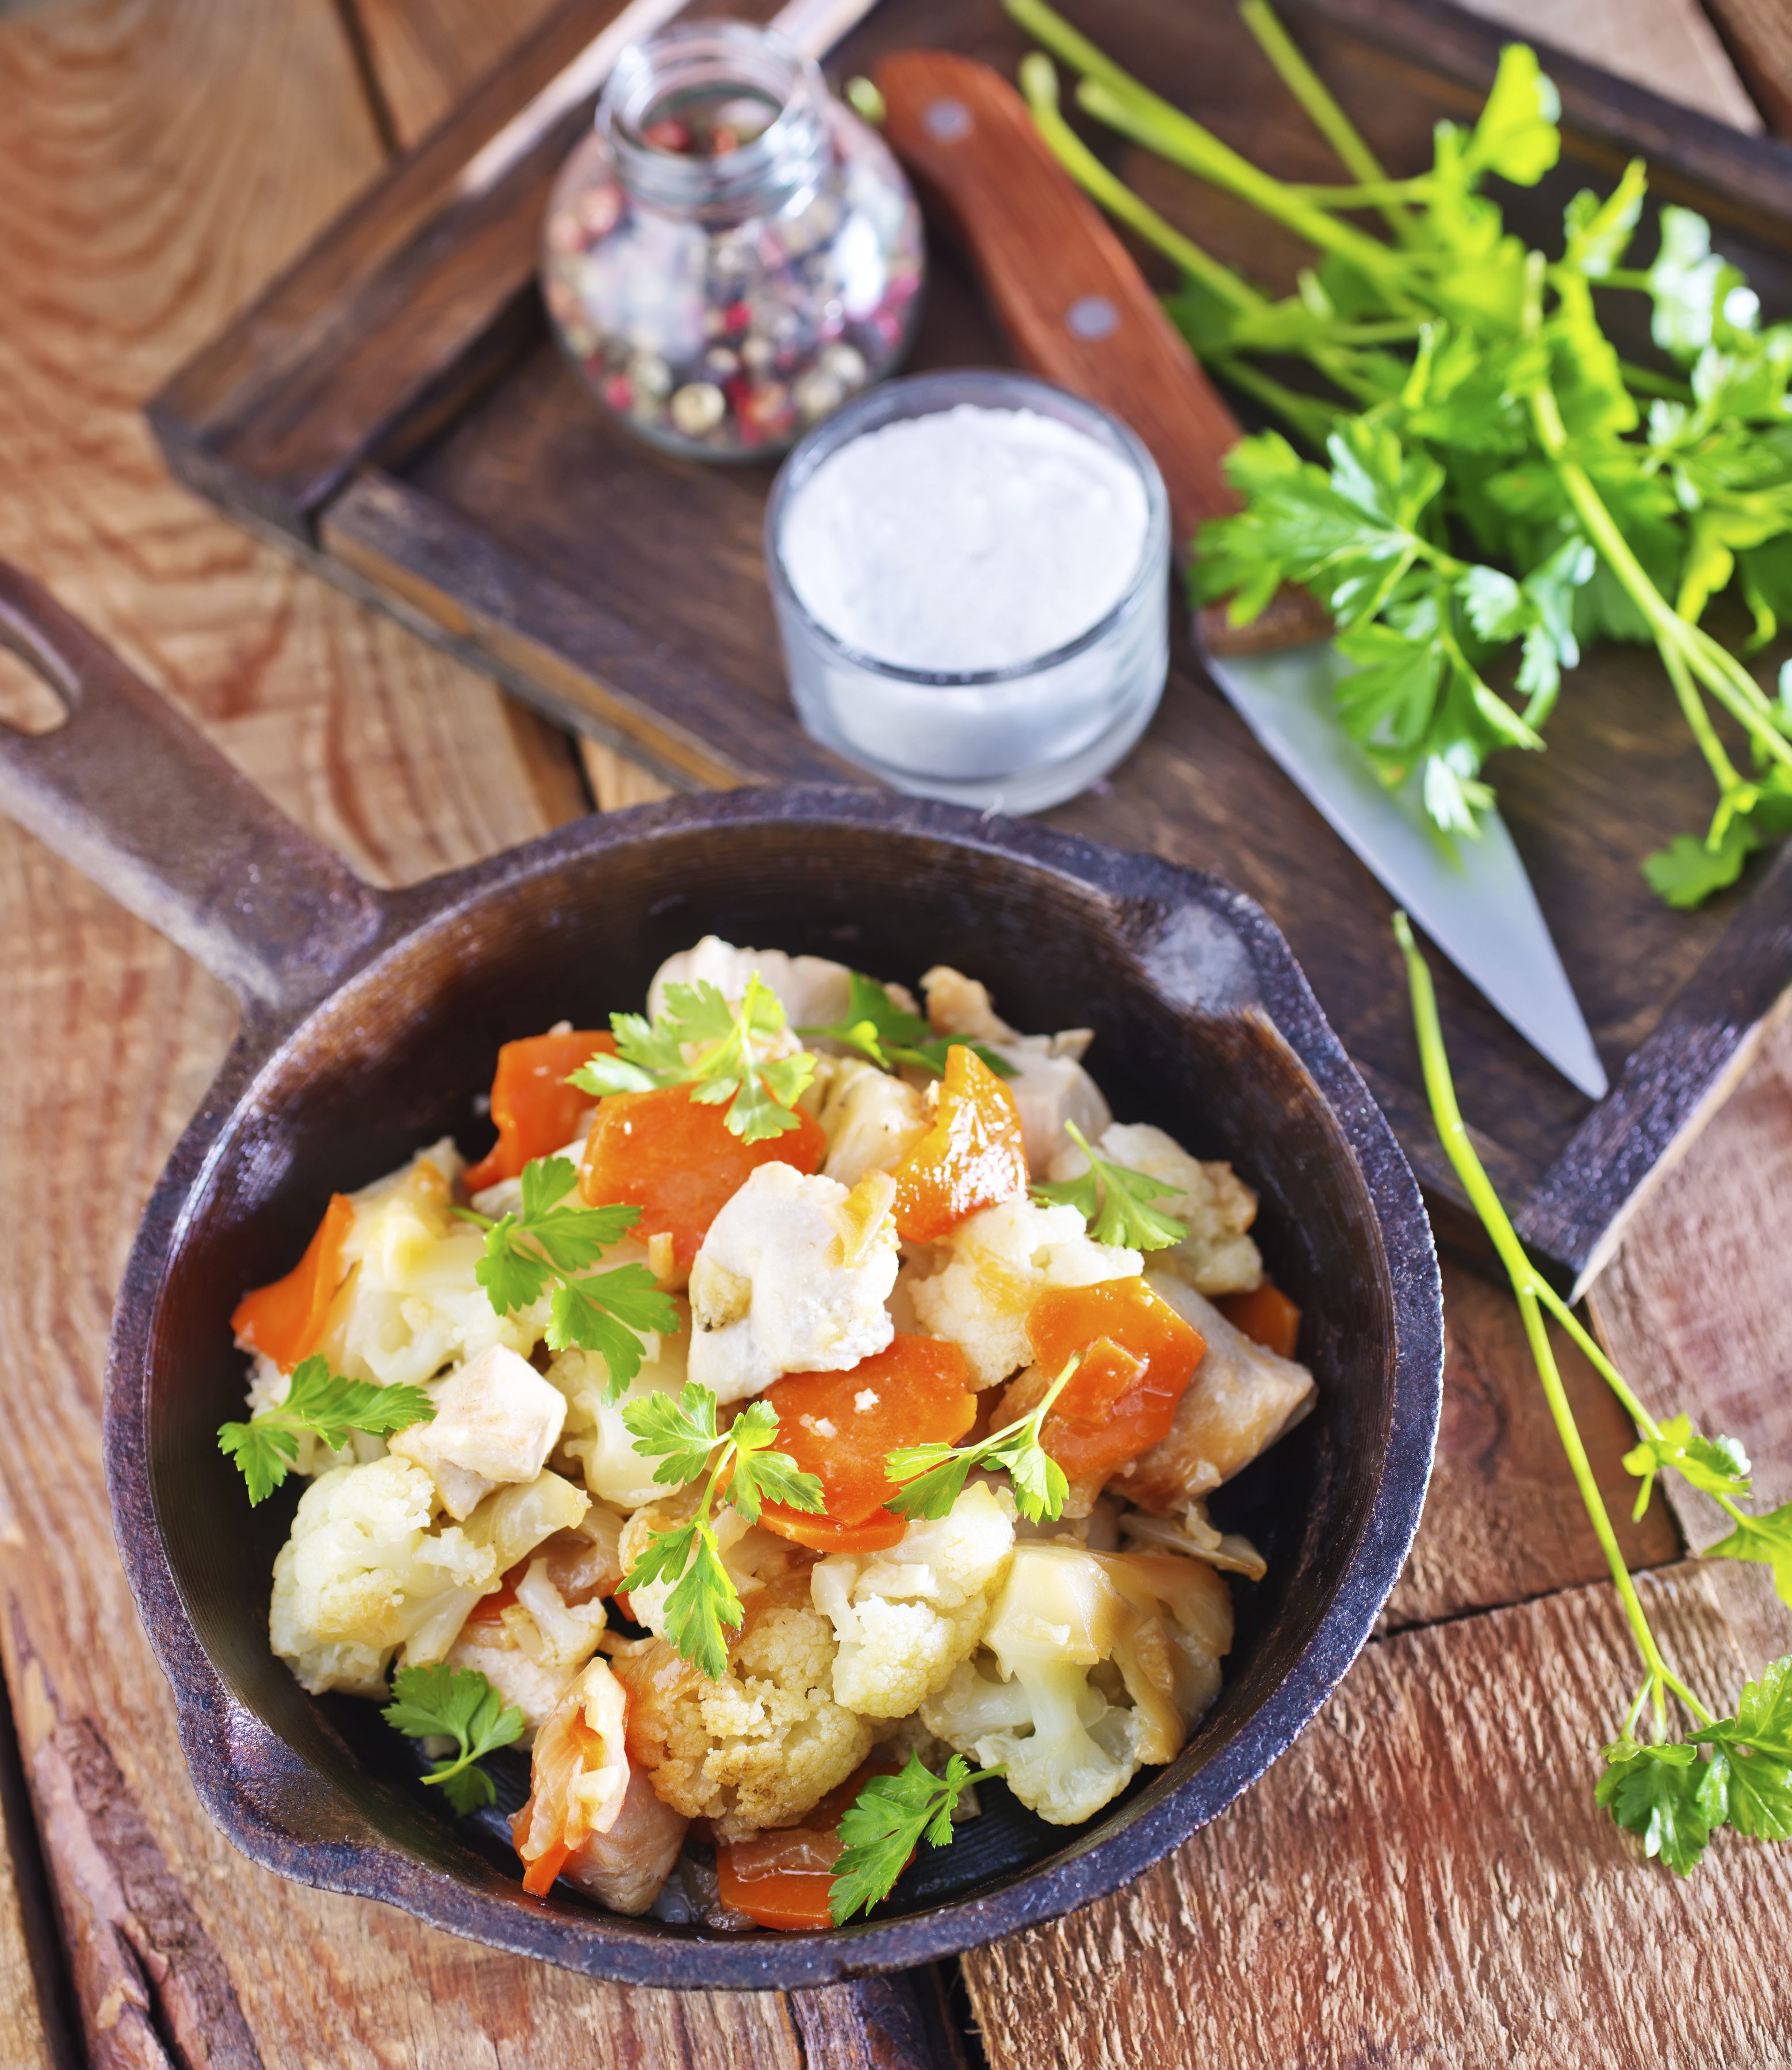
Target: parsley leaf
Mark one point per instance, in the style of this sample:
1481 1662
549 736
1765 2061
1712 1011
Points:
549 1242
1688 870
935 1474
320 1404
1767 1538
682 1433
725 1067
888 1821
458 1704
1115 1201
889 1034
1718 1465
1655 1791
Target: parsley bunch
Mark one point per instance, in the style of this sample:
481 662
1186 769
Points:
682 1435
552 1241
723 1067
935 1474
887 1821
461 1704
889 1034
1115 1201
1497 486
1666 1790
321 1405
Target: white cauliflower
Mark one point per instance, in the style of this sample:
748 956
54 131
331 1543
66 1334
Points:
532 1687
1105 1659
1216 1256
495 1422
1049 1086
905 1617
872 1121
411 1304
363 1573
595 1435
814 993
792 1278
752 1555
986 1274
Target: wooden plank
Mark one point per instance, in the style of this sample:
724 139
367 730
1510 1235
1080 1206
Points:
1758 34
408 763
33 2032
1424 1878
429 54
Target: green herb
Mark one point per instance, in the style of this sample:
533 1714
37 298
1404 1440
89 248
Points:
936 1475
682 1435
552 1242
319 1404
458 1704
696 1017
1664 1789
889 1034
1115 1201
1497 486
888 1821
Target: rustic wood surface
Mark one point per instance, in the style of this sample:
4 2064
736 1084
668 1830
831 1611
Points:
1758 34
1422 1879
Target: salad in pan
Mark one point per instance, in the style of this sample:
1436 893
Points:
802 1412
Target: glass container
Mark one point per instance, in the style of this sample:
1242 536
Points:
731 253
1013 739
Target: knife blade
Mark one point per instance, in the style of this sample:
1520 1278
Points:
1079 311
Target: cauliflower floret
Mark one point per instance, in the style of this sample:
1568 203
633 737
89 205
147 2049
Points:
1049 1086
362 1573
532 1687
905 1617
1215 1257
752 1555
988 1272
595 1435
792 1278
411 1302
495 1422
872 1121
765 1744
1072 1730
813 991
1242 1399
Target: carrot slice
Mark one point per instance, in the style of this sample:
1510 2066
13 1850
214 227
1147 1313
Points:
285 1319
676 1161
839 1427
781 1879
1266 1316
1138 1357
534 1109
971 1157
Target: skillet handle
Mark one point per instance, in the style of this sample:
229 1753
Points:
143 804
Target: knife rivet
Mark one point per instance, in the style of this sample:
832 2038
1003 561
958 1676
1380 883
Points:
946 118
1092 317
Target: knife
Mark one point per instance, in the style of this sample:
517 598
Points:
1078 312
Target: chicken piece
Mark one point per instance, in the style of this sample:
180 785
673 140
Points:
792 1278
872 1121
1215 1257
495 1422
1049 1087
977 1286
1242 1399
626 1868
813 991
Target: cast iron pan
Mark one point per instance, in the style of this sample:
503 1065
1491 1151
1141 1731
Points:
369 1021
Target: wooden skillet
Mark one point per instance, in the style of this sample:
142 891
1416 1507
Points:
370 1018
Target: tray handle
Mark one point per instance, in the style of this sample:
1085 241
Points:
139 802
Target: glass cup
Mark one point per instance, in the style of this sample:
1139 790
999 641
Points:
1013 739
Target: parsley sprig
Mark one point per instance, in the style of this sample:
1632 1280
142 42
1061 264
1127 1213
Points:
936 1475
461 1704
759 1095
887 1821
321 1405
682 1435
878 1027
1115 1201
1666 1790
552 1241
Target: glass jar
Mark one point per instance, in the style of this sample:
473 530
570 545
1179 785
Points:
731 253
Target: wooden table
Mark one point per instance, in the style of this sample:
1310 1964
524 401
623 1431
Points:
1423 1878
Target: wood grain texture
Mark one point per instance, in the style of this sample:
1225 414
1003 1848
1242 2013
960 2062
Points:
1424 1878
427 55
1758 34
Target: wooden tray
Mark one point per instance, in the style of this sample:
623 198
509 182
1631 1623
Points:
394 412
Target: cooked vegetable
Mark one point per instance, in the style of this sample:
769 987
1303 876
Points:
534 1109
318 1404
1115 1201
971 1157
889 1035
1265 1316
452 1703
285 1321
888 1820
934 1475
1215 1252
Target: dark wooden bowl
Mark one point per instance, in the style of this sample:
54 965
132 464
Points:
370 1023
